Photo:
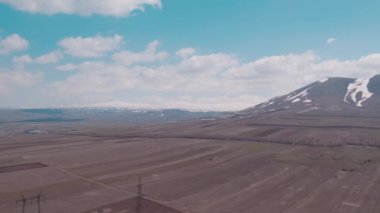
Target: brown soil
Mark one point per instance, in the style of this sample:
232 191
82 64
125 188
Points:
90 171
130 206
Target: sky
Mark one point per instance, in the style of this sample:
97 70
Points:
196 55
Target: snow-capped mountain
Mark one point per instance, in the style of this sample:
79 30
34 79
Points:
329 112
344 95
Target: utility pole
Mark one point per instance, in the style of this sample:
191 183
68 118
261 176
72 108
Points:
139 196
24 200
38 197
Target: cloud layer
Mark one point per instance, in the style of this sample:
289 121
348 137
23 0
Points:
90 47
102 72
118 8
49 58
13 43
331 41
208 81
14 79
128 58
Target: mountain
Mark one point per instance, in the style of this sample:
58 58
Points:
343 96
330 112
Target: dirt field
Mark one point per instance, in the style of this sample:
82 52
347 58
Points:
130 206
85 173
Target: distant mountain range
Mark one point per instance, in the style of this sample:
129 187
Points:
116 115
330 112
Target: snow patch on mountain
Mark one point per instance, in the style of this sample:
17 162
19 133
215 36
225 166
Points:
358 92
323 80
308 110
296 100
299 96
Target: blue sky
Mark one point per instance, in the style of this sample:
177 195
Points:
239 53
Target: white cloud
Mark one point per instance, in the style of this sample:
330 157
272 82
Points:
222 103
155 79
49 58
97 77
66 67
186 52
207 64
128 58
278 75
13 43
218 103
11 80
118 8
90 47
24 59
331 41
213 81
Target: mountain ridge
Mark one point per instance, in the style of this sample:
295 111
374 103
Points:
346 95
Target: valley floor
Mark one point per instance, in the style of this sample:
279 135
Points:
86 174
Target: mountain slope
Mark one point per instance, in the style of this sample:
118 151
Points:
343 96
